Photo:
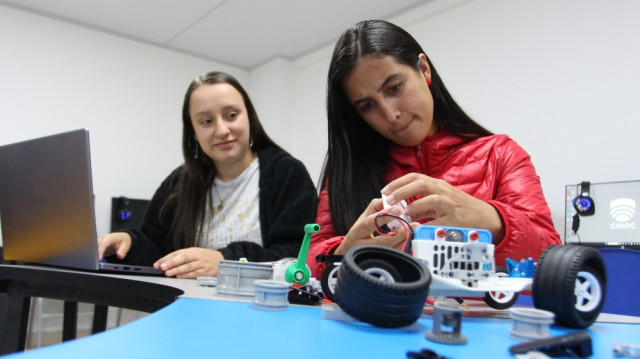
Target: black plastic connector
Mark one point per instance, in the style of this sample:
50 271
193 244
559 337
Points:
575 344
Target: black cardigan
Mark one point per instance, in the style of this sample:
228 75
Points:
288 201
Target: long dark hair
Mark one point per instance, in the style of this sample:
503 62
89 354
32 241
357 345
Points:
189 196
357 155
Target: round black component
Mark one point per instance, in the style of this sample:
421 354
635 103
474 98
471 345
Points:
570 281
382 286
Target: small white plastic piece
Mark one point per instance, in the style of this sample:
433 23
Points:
395 224
626 350
334 312
532 355
530 324
206 281
271 295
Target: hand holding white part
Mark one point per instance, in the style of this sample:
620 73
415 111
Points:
395 224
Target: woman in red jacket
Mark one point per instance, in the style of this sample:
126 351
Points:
394 128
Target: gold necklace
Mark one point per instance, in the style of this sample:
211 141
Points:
220 206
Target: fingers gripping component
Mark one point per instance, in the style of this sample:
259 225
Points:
395 224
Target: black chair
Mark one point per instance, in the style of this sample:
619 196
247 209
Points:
19 283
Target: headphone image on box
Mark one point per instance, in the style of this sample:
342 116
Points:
584 205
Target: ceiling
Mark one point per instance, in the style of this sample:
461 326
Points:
241 33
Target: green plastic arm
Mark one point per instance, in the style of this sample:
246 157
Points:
298 272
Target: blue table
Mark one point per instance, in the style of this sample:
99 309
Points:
201 328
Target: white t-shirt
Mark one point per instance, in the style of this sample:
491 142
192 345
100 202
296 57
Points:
239 218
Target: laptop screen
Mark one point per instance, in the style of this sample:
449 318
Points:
603 214
46 201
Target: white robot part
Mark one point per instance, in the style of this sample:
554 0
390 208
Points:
395 224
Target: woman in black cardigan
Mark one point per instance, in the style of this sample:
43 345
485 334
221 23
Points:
238 194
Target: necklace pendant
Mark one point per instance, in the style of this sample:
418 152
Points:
220 205
217 209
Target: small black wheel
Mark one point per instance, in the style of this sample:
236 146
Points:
501 300
570 281
328 281
382 286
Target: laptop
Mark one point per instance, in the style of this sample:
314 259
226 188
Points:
603 215
47 204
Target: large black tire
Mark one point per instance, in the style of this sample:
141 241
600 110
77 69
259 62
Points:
570 281
382 286
500 300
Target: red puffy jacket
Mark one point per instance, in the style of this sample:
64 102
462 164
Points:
494 169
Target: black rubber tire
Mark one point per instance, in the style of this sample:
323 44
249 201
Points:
500 304
559 269
374 299
329 273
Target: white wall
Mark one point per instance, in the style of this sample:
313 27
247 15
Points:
560 77
270 88
290 99
56 77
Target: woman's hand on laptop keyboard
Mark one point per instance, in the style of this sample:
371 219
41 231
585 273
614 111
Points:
117 243
190 263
